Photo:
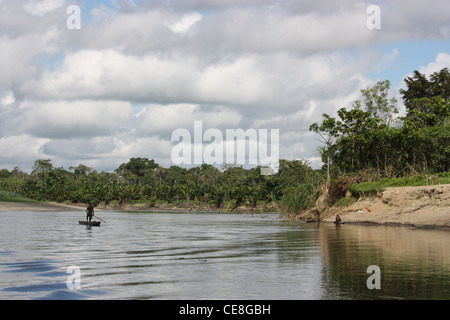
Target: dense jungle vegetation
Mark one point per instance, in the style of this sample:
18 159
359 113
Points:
365 143
143 181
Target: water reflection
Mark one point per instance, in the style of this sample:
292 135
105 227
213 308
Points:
414 264
216 256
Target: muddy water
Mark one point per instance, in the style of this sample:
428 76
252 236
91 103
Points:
141 255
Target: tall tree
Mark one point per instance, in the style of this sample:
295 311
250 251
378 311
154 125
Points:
328 131
377 101
418 86
134 170
42 166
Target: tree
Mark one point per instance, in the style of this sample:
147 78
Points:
346 138
377 101
137 166
42 166
137 170
328 131
4 173
418 87
426 112
81 169
440 84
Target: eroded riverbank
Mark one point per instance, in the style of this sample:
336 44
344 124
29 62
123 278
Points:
424 206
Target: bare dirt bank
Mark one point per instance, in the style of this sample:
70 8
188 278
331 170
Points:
36 206
427 206
52 206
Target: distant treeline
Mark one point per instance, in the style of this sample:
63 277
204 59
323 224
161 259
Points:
143 181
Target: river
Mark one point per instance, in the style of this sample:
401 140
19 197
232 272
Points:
157 255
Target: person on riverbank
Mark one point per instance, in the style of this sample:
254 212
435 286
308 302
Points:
89 212
338 219
318 215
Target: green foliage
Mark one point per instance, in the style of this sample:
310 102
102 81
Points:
379 185
136 167
419 87
144 181
364 139
6 196
345 202
378 103
300 185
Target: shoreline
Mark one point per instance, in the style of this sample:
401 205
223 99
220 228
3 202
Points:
37 206
54 206
420 207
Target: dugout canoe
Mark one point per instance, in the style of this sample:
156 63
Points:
90 224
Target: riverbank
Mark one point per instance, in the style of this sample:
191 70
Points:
37 206
185 206
181 206
424 206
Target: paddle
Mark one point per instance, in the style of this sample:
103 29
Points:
100 219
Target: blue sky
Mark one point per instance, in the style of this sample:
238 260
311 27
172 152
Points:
412 56
88 5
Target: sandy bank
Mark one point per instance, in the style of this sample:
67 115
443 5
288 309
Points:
183 206
41 206
427 206
36 206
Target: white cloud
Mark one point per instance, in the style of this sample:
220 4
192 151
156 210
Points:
41 7
112 75
101 15
270 83
229 63
8 99
83 118
185 23
164 119
20 150
442 61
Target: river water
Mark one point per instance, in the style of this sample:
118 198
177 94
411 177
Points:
154 255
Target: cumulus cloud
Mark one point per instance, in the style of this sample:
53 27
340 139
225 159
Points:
442 61
185 23
8 99
41 7
21 150
136 71
273 83
163 119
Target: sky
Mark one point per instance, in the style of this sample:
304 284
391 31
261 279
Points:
118 85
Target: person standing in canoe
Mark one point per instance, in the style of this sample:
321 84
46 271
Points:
89 212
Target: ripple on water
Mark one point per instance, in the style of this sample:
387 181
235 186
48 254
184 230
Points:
214 256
